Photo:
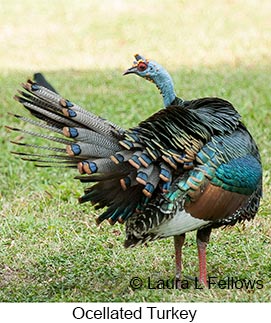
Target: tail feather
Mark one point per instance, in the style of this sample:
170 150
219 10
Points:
41 80
61 150
40 135
88 120
47 100
63 157
49 160
37 123
91 137
50 116
38 100
50 163
43 93
84 150
101 165
121 204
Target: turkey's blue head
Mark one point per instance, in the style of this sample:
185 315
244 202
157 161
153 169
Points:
155 73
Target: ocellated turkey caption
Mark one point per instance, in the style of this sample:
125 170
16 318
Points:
192 166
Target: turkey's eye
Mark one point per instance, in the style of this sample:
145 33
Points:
142 66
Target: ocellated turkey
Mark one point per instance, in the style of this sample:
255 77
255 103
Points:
191 166
235 153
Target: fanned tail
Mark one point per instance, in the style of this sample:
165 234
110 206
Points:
88 140
130 168
125 177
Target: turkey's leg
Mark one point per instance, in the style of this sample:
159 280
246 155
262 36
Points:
178 244
203 237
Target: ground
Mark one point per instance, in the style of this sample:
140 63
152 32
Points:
50 246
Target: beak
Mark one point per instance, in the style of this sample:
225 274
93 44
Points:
130 70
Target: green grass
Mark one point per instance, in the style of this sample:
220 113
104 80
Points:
50 247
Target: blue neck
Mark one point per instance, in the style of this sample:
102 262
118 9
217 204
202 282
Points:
164 83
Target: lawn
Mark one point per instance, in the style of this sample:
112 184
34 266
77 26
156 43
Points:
50 247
